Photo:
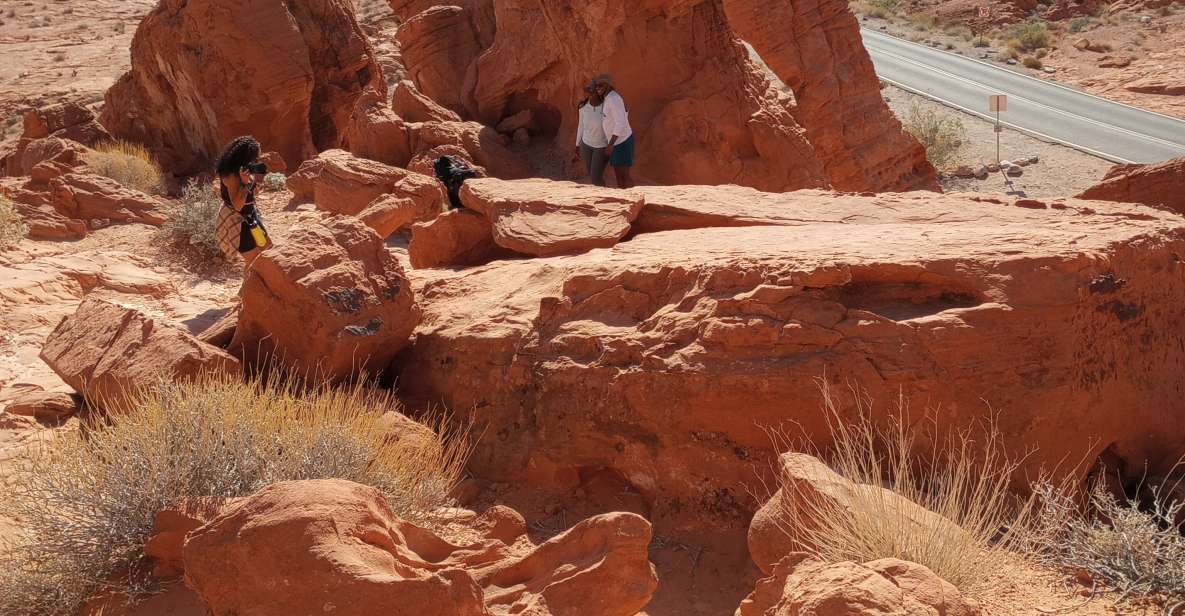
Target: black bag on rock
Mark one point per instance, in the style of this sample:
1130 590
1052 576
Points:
452 172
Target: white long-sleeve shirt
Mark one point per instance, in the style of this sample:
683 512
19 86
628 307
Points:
591 131
617 119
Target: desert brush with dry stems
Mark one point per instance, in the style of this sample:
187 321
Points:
12 225
941 133
964 476
87 505
130 164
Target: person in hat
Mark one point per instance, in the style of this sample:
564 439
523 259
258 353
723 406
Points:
616 122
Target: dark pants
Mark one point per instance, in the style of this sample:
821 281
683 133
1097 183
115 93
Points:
594 162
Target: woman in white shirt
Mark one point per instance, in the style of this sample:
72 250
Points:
590 136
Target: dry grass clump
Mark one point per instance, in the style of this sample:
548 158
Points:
194 222
1134 548
1032 62
86 507
12 225
1031 35
942 134
130 164
964 478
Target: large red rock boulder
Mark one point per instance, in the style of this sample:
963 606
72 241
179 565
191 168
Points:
680 348
1160 185
807 489
206 71
107 352
482 144
457 238
386 198
377 132
327 300
63 122
704 110
337 546
800 586
544 218
85 196
411 105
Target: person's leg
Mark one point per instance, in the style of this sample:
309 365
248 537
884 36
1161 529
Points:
596 172
622 160
623 177
586 155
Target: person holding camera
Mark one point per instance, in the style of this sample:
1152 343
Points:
239 229
618 131
590 135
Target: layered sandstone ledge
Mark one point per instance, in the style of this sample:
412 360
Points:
664 360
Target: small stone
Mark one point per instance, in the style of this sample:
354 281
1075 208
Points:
1050 70
992 168
1012 61
1015 171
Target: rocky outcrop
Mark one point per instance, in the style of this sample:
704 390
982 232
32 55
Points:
85 196
411 105
457 238
482 145
1160 185
206 71
327 300
544 218
386 198
800 586
705 111
377 132
808 489
61 123
665 357
108 352
339 544
44 405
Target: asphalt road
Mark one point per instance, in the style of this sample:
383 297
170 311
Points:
1043 109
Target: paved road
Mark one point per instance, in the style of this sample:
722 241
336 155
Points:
1044 109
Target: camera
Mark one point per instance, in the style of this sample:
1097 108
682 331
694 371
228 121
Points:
257 168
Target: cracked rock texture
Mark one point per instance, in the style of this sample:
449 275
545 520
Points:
664 359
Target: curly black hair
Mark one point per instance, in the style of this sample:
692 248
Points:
241 152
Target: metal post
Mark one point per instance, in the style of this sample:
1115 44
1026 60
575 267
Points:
997 136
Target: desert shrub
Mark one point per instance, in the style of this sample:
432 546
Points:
1031 35
964 477
275 182
12 225
942 134
1079 24
981 41
130 164
1031 62
1134 548
193 221
883 8
88 501
923 21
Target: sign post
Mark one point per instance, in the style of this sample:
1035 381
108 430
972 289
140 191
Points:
998 103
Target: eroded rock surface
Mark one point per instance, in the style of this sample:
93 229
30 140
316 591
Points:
108 352
327 300
1160 185
666 357
336 543
206 71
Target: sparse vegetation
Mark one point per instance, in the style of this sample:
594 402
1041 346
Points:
981 41
193 222
1080 24
1134 548
882 8
275 182
963 478
1031 62
12 226
129 164
942 134
923 21
88 502
1031 35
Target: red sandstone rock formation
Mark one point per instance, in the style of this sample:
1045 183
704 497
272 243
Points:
206 71
386 198
800 586
411 105
544 218
377 132
705 112
106 352
335 543
665 357
327 300
1160 185
457 238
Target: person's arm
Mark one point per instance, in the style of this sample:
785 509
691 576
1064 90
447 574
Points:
579 127
614 108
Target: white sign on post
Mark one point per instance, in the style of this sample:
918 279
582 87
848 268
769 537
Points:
998 103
